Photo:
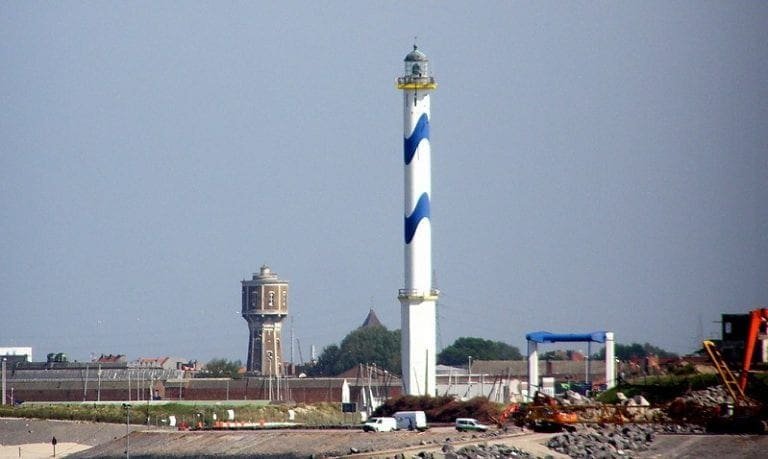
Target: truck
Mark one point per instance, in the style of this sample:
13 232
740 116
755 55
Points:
411 420
381 424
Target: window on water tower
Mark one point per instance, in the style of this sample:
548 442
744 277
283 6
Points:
254 298
271 302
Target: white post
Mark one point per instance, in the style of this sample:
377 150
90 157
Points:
610 360
533 369
3 371
469 370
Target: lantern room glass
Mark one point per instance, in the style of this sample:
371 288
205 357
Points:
417 68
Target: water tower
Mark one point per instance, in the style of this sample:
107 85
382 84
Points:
265 305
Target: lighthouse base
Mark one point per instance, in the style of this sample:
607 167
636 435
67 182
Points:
418 348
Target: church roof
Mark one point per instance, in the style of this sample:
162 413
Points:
371 321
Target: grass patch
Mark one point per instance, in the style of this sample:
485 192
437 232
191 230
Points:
158 414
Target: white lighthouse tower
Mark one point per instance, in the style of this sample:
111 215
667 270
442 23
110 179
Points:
418 297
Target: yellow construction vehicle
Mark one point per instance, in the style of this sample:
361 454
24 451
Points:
745 415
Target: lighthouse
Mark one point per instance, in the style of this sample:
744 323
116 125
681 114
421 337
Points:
418 297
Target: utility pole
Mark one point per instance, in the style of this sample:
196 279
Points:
276 372
98 393
292 341
469 369
149 397
301 357
85 384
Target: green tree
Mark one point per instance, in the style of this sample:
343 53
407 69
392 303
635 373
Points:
480 349
555 355
369 345
559 354
637 351
222 368
326 362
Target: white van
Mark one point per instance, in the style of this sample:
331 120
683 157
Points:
380 425
411 420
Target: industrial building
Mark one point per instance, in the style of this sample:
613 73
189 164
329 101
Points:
735 328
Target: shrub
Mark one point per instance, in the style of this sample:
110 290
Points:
443 408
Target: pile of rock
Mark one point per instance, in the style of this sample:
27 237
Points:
619 441
574 398
681 429
698 406
485 451
629 409
711 396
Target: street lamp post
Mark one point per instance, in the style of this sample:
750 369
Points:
3 371
586 363
127 408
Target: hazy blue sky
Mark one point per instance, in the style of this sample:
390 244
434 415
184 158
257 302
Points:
596 166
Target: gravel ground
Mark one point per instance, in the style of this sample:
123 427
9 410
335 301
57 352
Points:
707 446
31 438
18 431
291 443
108 440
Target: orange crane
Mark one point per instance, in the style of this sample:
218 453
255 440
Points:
737 388
726 376
757 317
748 415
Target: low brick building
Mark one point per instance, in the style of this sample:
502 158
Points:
91 383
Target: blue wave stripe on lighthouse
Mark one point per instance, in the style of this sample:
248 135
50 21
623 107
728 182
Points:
420 132
412 221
